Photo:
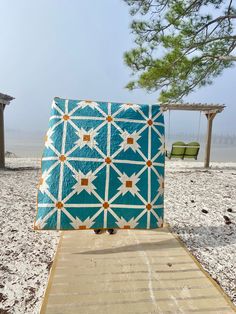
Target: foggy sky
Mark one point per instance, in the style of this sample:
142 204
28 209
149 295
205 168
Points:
75 49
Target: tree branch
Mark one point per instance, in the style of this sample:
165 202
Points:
222 58
218 19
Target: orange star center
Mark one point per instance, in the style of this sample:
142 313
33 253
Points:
46 138
62 158
149 163
84 181
148 206
41 181
109 118
105 204
59 205
66 117
150 122
86 138
82 227
88 101
126 227
108 160
130 140
129 184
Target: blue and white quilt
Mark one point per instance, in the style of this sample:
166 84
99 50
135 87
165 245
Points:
102 167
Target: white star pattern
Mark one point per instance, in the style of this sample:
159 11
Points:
162 147
123 224
130 141
43 186
89 103
86 138
128 106
161 185
86 224
160 222
39 224
129 184
48 140
109 162
84 182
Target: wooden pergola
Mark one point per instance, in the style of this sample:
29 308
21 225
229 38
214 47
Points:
4 100
210 112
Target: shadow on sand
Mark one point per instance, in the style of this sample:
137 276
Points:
202 236
142 246
20 169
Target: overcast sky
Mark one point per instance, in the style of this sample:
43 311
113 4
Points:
75 49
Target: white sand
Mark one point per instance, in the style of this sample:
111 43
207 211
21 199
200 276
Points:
25 255
191 189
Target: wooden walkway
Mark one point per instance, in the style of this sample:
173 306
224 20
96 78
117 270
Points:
130 272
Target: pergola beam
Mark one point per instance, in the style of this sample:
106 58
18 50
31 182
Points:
192 107
210 112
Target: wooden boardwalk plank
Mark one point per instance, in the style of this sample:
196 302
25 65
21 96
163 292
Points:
130 272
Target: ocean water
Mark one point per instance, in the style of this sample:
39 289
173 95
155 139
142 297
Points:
31 145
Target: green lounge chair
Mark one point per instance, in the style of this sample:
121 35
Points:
177 150
192 150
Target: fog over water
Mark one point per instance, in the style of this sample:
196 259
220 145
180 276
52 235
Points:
74 49
32 144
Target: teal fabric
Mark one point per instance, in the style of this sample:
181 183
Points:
102 167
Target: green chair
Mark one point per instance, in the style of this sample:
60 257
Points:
192 150
177 150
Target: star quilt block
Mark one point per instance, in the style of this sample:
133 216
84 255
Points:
102 167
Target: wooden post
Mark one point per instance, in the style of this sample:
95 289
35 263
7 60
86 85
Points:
210 117
2 146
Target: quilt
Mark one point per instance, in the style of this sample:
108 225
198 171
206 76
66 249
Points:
102 167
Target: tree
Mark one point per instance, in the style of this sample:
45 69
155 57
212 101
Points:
180 45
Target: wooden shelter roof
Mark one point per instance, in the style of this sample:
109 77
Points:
208 108
5 99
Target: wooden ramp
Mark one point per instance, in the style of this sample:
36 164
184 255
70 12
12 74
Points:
130 272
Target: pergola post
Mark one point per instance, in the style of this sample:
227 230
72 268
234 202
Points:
209 110
4 100
210 117
2 145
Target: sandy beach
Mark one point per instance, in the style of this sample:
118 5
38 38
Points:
25 255
200 206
